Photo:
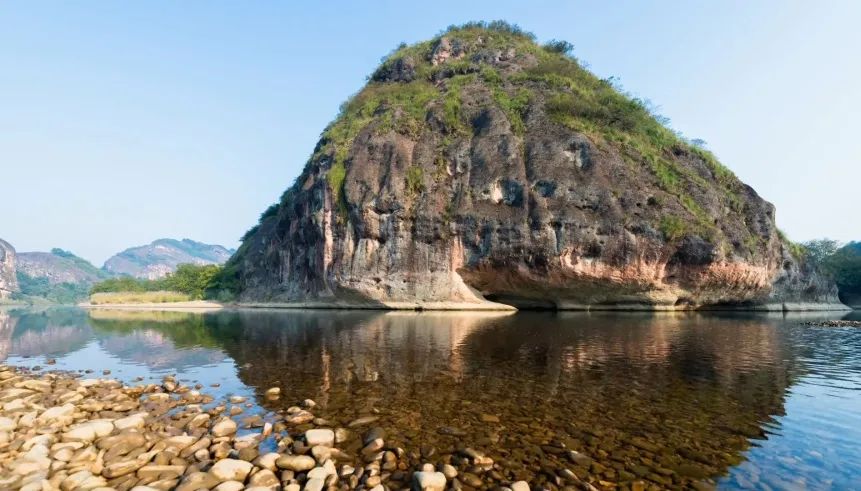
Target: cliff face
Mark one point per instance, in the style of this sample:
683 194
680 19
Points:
480 166
8 279
161 257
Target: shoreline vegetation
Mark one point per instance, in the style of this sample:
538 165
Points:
160 296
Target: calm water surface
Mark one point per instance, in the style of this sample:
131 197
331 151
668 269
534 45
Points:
750 401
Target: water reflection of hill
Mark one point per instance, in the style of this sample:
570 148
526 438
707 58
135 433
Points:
158 340
42 332
665 396
695 386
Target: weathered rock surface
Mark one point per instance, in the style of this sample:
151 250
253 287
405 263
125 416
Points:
480 166
8 279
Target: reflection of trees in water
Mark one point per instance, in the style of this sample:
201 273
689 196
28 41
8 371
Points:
698 386
42 332
158 340
308 352
7 326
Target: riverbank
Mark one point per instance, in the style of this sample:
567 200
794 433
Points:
189 306
61 432
208 305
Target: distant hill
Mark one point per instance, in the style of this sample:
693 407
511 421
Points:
59 266
58 276
162 256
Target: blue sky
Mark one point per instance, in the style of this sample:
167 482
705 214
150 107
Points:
123 122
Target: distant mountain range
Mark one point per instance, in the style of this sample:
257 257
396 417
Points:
62 277
155 260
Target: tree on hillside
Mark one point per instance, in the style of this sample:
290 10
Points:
844 265
819 250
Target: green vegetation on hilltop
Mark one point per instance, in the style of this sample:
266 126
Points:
409 94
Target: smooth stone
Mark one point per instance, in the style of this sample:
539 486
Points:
299 418
133 421
520 486
267 461
298 463
373 446
197 480
428 481
264 477
449 471
320 437
196 422
61 415
122 468
314 485
472 480
89 431
223 427
230 486
231 470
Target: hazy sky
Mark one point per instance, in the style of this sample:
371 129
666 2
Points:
123 122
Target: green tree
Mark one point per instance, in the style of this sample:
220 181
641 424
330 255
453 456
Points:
192 279
820 250
844 265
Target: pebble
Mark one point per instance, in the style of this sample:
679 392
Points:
224 427
520 486
315 485
429 481
322 437
298 463
231 470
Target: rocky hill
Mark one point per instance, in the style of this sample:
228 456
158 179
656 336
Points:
482 166
58 276
8 280
156 260
59 266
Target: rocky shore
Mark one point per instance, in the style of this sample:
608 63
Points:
61 432
834 323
